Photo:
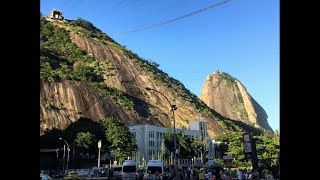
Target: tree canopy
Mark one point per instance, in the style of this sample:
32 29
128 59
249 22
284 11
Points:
267 146
122 141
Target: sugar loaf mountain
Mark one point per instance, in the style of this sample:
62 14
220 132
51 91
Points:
227 96
85 73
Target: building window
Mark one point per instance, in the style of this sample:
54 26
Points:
151 152
151 143
151 134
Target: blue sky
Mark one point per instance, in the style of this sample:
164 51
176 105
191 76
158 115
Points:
240 37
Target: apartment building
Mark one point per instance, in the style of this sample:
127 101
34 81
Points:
149 138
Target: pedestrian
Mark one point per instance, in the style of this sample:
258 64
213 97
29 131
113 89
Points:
201 175
157 176
214 177
270 176
245 174
255 174
227 176
239 174
140 174
149 176
188 173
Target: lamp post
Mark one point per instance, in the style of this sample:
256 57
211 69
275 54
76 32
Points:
172 109
143 143
99 147
68 150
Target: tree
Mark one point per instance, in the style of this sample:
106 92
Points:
168 140
182 144
85 24
163 149
267 148
197 147
121 140
85 142
83 125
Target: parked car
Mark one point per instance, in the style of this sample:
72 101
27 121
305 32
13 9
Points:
104 172
100 171
72 175
83 172
56 174
115 172
44 177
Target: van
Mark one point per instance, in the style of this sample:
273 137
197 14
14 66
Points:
115 172
129 170
155 166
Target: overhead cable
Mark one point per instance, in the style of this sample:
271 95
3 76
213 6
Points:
175 19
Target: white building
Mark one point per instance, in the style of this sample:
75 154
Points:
150 137
199 126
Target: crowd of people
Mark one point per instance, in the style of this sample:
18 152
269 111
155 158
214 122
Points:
210 174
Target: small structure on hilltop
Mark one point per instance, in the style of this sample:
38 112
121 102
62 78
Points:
56 15
215 72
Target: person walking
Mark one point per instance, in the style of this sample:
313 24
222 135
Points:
270 176
239 174
255 174
201 175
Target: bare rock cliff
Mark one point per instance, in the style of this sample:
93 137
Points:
229 97
62 103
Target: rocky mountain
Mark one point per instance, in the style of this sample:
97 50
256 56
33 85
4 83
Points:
85 73
228 96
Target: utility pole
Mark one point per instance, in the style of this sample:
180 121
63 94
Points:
172 109
64 157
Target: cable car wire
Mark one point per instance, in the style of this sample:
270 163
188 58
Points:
175 19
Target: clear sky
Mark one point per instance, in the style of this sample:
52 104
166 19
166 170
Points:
240 37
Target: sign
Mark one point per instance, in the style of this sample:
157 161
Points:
246 137
247 146
227 157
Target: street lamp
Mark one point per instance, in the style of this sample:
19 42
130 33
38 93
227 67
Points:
68 149
99 146
172 109
142 141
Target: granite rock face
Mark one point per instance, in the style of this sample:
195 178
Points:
228 96
64 102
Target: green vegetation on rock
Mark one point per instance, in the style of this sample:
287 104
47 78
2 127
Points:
60 59
228 78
